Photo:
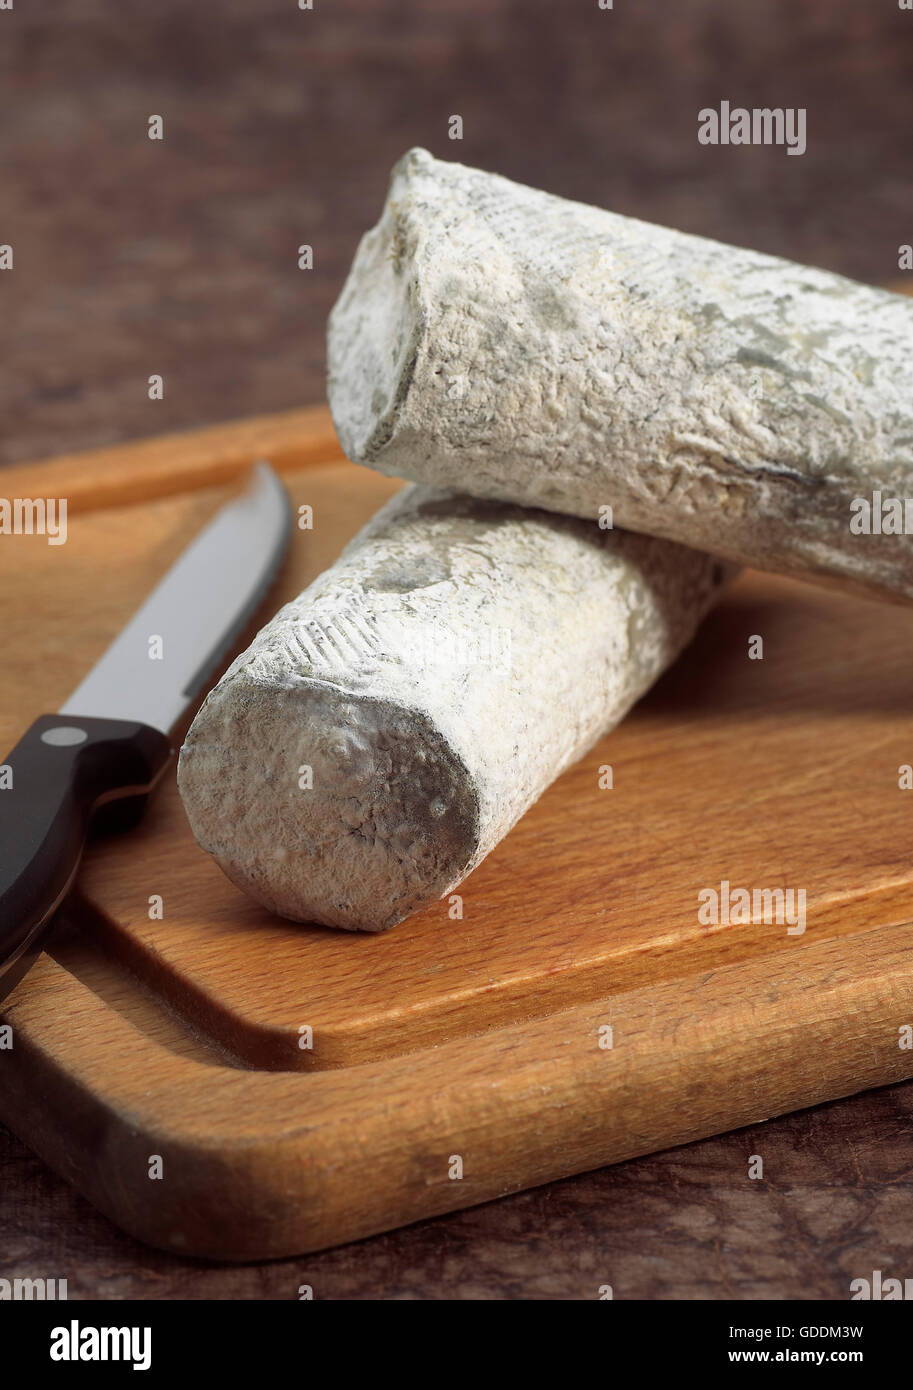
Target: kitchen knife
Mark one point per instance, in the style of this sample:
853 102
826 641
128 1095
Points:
110 740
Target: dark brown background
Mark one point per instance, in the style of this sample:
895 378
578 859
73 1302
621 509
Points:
179 257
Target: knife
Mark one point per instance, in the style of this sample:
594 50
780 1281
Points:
110 741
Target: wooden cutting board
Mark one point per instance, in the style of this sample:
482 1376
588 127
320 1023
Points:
455 1061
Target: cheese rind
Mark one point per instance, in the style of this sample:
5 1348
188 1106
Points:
383 733
515 345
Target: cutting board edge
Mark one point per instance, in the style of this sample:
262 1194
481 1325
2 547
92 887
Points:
365 1149
159 466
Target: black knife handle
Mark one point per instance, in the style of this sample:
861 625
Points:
50 785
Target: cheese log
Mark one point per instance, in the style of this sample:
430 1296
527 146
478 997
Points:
390 725
515 345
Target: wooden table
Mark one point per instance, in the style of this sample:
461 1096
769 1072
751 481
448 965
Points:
178 257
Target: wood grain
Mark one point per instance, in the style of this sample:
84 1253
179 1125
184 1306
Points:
161 466
480 1038
265 1163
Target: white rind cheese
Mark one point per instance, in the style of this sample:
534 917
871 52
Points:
390 725
511 344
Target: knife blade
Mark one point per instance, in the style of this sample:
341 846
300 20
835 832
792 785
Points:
110 740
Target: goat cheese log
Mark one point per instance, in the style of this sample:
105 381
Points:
390 725
515 345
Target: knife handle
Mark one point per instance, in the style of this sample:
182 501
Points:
63 768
